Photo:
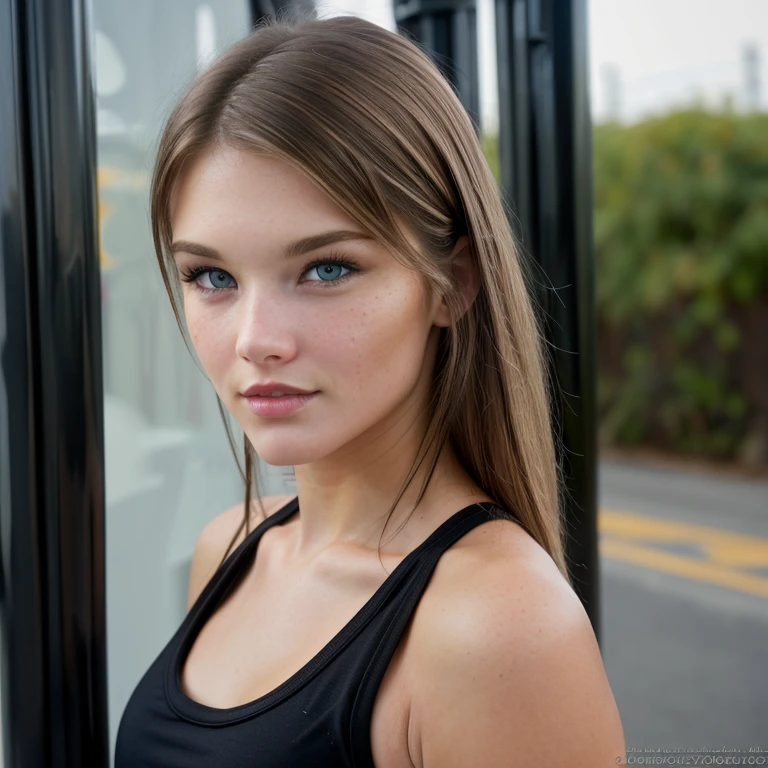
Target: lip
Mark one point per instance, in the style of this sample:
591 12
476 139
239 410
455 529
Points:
276 407
274 386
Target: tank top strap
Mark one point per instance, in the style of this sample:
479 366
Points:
247 546
236 561
389 632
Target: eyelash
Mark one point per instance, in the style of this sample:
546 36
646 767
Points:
191 275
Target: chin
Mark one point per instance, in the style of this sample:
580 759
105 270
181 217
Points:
281 444
286 451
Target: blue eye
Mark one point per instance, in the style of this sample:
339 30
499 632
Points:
329 270
216 278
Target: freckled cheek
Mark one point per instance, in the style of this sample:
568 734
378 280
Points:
212 340
374 345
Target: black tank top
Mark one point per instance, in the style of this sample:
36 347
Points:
321 716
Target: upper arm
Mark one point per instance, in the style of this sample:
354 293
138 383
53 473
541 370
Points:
514 677
214 539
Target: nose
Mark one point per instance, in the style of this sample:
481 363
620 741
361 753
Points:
263 331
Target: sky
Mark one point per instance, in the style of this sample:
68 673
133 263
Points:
644 57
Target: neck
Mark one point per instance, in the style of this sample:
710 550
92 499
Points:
347 502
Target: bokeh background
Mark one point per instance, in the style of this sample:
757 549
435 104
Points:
679 95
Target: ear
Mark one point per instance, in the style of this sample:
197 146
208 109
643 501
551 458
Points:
465 272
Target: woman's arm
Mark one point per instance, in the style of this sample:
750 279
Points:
512 677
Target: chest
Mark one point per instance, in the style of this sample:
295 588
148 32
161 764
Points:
268 628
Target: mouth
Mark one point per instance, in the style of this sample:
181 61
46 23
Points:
274 389
272 406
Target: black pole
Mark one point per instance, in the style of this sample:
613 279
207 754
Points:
545 154
21 610
53 576
448 29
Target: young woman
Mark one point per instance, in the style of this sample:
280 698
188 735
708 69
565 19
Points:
336 248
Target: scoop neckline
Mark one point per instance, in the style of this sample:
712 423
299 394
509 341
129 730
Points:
200 713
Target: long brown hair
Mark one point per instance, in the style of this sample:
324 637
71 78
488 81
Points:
365 114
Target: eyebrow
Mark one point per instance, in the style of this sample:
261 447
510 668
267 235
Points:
297 248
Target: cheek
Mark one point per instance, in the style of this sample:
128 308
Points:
382 341
210 339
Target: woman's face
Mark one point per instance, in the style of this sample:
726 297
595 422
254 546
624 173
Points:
356 333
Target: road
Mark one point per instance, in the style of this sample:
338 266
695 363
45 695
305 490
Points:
684 580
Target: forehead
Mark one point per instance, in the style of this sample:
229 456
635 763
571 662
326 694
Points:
225 188
230 198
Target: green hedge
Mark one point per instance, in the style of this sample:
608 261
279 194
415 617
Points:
681 249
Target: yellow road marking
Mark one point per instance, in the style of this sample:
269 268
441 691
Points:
724 555
724 547
688 567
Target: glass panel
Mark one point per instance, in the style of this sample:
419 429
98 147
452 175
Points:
168 465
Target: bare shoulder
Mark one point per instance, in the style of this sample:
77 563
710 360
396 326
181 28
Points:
507 657
213 540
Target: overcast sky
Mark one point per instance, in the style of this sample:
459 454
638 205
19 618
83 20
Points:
644 56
